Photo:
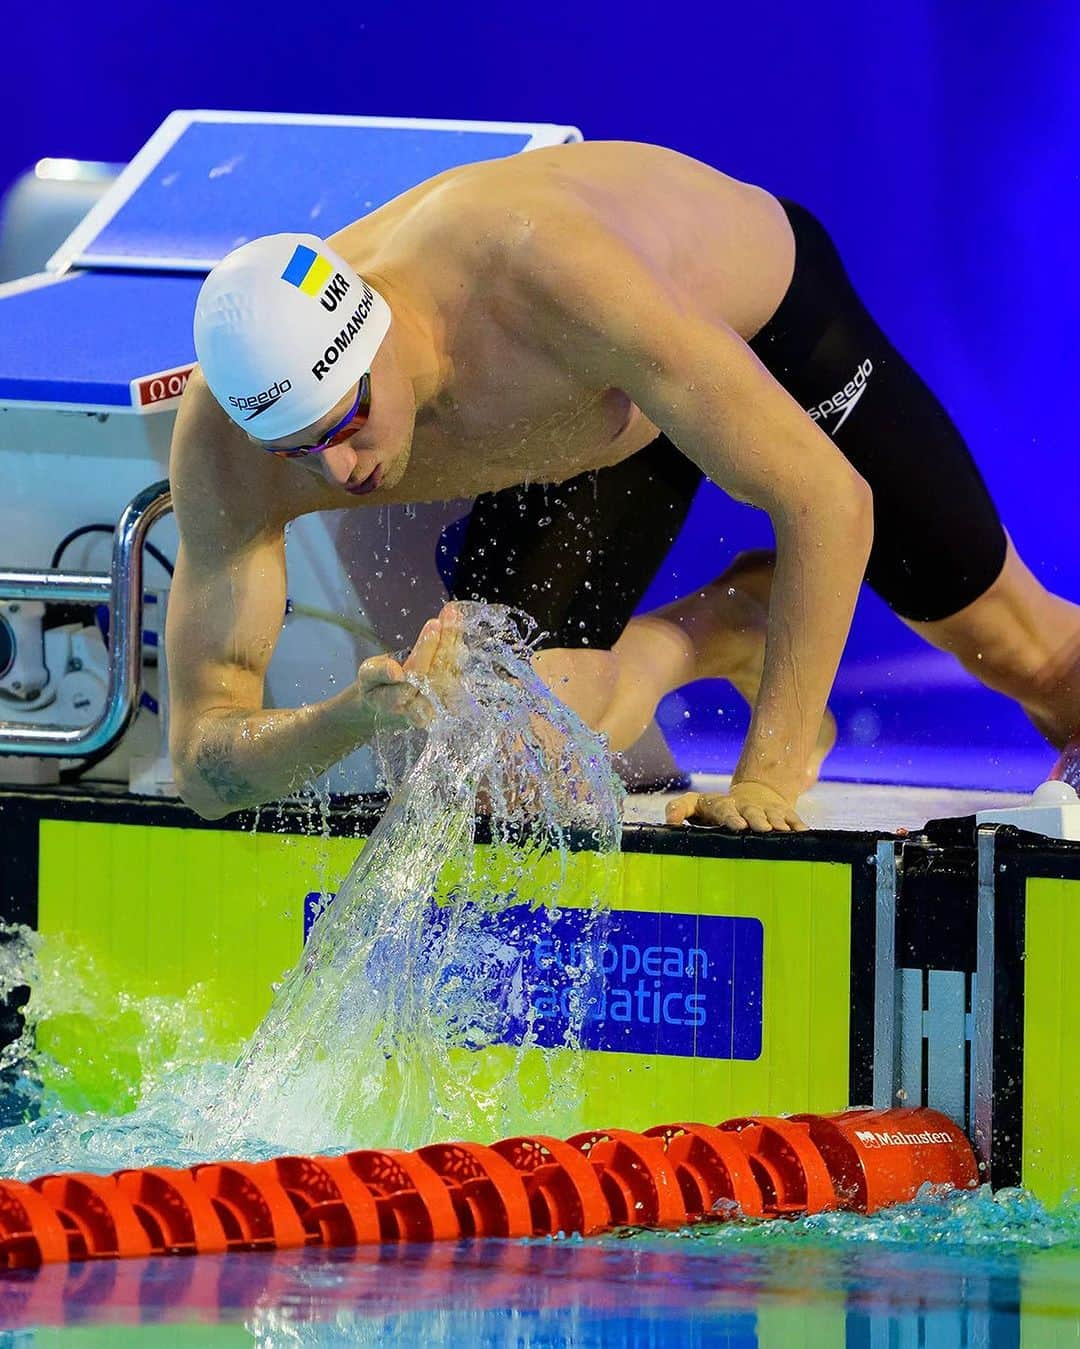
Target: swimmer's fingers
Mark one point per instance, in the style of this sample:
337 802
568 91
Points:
716 810
420 658
681 809
439 653
379 672
757 819
779 819
437 656
440 647
384 687
750 806
450 654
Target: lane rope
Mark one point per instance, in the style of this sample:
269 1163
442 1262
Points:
530 1186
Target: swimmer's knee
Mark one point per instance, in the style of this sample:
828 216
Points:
753 559
1013 640
1002 661
584 678
751 572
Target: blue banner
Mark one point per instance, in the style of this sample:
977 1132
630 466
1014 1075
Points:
635 982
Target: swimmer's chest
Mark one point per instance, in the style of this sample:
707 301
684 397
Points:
511 416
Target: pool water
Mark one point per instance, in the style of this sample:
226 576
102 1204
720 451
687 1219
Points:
778 1284
945 1270
372 996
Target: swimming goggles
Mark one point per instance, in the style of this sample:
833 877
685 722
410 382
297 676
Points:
356 416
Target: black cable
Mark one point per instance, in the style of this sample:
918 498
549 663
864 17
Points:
68 539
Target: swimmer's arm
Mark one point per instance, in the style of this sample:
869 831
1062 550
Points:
610 314
226 610
228 751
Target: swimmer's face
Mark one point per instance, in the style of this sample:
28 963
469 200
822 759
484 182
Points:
370 451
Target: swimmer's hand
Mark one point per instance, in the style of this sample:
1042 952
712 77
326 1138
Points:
748 805
384 685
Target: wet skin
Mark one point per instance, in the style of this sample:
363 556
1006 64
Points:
551 313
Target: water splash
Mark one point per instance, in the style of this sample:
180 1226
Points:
152 1065
399 1024
393 1028
1002 1221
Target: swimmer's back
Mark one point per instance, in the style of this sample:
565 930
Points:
724 242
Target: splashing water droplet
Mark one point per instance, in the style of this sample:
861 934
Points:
415 1011
410 1015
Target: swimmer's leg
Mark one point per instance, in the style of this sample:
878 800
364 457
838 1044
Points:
725 624
717 632
941 557
1021 640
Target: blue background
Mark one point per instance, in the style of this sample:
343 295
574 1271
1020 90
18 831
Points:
938 141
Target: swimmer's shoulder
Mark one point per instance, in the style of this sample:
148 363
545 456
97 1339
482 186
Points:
599 180
490 206
469 201
491 219
572 167
475 208
222 481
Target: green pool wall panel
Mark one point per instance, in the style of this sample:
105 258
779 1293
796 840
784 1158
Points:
213 918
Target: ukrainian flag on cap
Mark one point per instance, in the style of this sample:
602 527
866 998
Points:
307 270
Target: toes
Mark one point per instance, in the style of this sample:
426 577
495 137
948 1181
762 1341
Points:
681 808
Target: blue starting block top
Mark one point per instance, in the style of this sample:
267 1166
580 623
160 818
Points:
207 182
109 327
97 342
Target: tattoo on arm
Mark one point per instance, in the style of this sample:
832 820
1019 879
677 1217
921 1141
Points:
217 770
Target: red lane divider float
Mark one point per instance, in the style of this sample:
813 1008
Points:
875 1155
564 1191
489 1196
177 1213
713 1170
413 1203
757 1167
789 1170
636 1176
99 1219
335 1207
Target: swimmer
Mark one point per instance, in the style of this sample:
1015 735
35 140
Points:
575 337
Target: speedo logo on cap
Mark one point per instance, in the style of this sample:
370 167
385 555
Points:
260 402
309 272
344 338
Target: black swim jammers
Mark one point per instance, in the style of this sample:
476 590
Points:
578 556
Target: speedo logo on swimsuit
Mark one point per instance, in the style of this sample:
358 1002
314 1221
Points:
844 401
344 338
263 400
871 1139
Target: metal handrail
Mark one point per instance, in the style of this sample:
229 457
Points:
122 589
57 587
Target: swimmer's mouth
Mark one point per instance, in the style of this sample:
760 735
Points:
369 484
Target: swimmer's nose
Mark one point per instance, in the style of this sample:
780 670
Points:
339 462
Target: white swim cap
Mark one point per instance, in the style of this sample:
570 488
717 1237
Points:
284 328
